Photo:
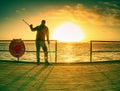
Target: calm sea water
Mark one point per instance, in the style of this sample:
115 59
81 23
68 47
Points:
67 52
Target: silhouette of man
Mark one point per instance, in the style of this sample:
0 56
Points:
42 33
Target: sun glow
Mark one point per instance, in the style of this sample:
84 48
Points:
68 32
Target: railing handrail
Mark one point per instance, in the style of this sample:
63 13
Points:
103 41
24 40
51 51
91 47
26 51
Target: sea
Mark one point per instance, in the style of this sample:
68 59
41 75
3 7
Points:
66 52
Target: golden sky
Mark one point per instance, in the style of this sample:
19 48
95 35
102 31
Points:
98 20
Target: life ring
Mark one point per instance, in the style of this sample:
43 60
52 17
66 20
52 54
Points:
17 48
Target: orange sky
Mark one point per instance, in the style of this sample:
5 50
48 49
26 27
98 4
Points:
94 25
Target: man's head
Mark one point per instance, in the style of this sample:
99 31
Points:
43 22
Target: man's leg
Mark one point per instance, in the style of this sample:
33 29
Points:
45 53
38 51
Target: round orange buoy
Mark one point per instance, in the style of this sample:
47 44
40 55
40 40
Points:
17 48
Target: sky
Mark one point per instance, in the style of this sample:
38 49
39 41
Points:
97 19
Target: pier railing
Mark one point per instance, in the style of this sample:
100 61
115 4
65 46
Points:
52 49
110 46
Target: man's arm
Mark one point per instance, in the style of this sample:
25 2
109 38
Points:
32 29
47 35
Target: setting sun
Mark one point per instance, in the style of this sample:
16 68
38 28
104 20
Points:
68 32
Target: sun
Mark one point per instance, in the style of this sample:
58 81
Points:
68 32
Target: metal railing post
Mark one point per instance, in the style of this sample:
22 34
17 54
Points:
56 51
90 51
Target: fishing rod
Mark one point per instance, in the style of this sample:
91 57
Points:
25 22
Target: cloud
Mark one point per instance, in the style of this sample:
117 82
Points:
101 19
110 4
94 20
21 11
109 10
80 13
